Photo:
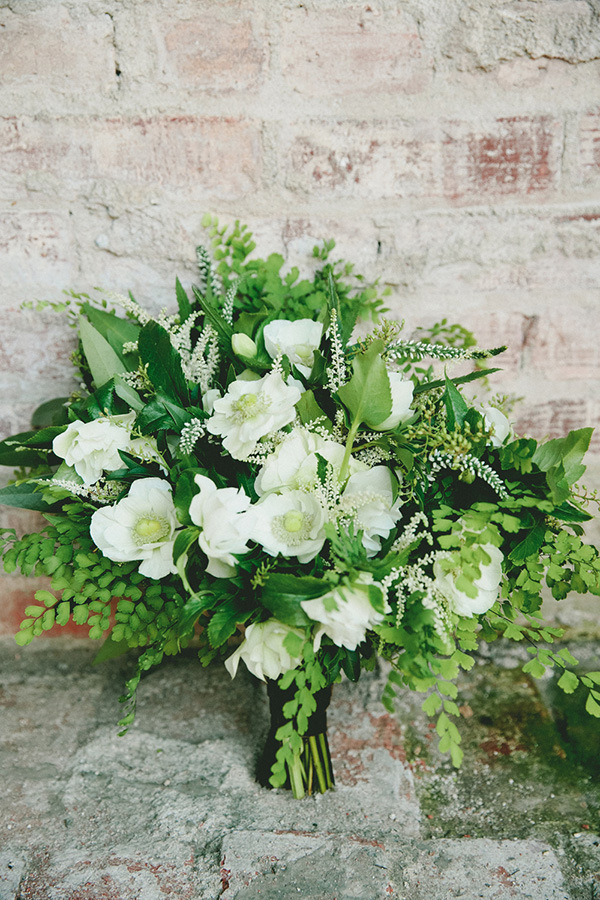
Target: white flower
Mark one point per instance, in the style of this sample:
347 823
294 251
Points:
141 526
291 524
92 448
293 464
369 499
208 399
252 409
497 422
346 613
402 397
263 651
487 585
297 340
222 513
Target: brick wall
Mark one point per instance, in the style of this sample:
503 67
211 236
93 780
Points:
450 146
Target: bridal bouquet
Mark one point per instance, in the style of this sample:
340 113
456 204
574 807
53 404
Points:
246 477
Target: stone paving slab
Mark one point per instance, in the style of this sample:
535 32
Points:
173 809
280 866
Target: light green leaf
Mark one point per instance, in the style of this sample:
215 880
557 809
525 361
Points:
368 395
102 359
568 681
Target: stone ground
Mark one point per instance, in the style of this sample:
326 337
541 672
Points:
172 809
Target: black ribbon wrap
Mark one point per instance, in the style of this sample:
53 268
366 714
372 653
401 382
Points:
317 724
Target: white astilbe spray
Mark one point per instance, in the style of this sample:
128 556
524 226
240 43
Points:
207 273
336 373
372 456
468 464
102 491
414 578
130 306
191 434
227 311
411 532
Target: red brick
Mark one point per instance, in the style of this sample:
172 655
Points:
518 155
17 593
390 159
215 51
56 46
221 155
353 51
364 159
589 143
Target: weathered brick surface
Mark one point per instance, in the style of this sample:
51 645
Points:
322 51
58 46
220 153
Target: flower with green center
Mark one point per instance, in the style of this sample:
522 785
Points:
290 524
141 526
252 409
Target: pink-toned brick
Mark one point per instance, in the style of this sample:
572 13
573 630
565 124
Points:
216 50
34 356
17 593
430 158
589 143
219 154
353 51
519 155
370 159
551 418
56 46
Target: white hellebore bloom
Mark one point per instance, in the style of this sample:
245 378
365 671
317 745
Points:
92 448
402 397
369 499
496 420
222 514
141 526
252 409
346 613
291 524
487 585
263 651
297 340
293 464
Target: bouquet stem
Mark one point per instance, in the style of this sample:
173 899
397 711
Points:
310 770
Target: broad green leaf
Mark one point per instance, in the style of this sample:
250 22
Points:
102 359
115 329
456 408
13 451
192 610
224 622
128 394
530 545
183 303
23 496
52 412
308 409
592 707
569 451
164 364
223 328
368 395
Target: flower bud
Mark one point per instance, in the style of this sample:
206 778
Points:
242 345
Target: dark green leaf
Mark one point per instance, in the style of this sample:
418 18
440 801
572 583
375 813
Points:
164 364
464 379
183 303
52 412
104 362
115 330
456 408
23 496
530 546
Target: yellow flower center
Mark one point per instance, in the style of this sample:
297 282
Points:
293 521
